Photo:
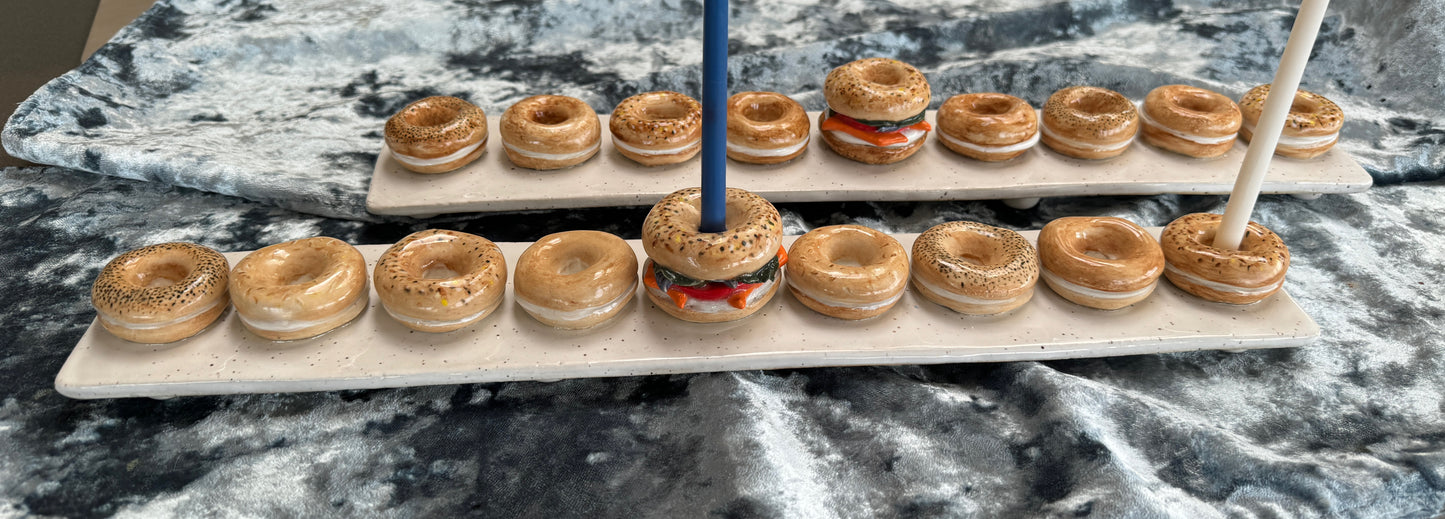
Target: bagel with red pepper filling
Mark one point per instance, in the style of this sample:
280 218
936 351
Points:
712 277
875 110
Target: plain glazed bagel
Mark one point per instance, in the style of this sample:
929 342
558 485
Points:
766 128
299 289
576 279
161 293
550 132
1190 121
974 268
1099 262
1089 122
1240 277
438 280
657 128
874 94
847 271
750 245
988 127
437 134
1311 129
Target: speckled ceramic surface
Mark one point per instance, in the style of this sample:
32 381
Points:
493 183
375 351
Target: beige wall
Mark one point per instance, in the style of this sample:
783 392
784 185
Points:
43 39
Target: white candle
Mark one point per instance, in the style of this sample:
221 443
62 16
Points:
1271 123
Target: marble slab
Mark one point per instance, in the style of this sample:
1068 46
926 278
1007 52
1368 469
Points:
375 351
493 183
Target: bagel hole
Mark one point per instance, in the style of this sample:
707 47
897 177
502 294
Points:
438 270
163 275
764 111
850 249
1110 242
430 116
572 266
991 106
883 73
1096 103
1198 103
973 249
302 279
550 116
664 112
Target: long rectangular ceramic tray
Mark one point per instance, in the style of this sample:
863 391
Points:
374 351
493 183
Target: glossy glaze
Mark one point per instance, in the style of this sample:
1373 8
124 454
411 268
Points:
300 288
760 123
1089 122
659 127
1082 256
581 273
991 269
1311 128
754 235
1243 276
997 123
1189 120
161 293
550 132
435 131
438 280
877 89
847 271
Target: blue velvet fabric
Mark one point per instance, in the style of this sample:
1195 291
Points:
1350 426
282 101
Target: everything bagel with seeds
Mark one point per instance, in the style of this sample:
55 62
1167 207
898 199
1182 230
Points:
438 280
550 132
1310 130
1190 121
299 289
973 268
1240 277
876 109
437 134
161 293
712 277
657 128
1089 122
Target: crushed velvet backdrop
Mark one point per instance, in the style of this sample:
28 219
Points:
280 103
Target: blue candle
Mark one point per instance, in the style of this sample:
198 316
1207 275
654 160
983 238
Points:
714 115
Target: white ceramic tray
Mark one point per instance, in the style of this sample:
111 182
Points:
493 183
374 351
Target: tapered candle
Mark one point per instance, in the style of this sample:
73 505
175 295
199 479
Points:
1271 123
714 115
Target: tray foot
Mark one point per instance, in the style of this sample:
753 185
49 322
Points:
1021 203
1307 196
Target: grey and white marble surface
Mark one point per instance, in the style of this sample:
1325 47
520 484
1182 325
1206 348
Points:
1350 426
